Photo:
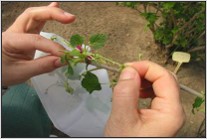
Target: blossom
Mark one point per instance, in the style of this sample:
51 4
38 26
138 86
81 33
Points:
88 59
79 48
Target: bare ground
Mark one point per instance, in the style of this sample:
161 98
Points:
128 38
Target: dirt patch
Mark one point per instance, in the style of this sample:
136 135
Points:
128 38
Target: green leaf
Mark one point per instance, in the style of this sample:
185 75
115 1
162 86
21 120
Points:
184 43
64 58
97 41
150 17
70 70
159 33
76 40
168 5
175 30
167 39
131 4
197 103
68 88
90 82
75 52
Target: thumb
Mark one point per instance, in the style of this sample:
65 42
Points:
43 65
125 95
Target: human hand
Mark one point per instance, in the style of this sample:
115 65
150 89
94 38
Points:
165 115
22 39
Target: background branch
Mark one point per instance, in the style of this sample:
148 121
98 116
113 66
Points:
183 27
198 48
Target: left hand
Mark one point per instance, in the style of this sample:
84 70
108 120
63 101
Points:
22 39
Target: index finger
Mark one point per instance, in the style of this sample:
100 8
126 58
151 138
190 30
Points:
34 18
48 13
31 42
163 82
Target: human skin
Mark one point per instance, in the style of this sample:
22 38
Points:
165 115
22 39
163 118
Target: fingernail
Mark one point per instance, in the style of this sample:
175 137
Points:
68 14
58 63
128 73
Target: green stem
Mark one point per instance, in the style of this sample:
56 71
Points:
109 60
106 67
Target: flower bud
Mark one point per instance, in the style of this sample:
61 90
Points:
88 59
79 48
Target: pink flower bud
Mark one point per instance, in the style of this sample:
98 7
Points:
79 48
88 59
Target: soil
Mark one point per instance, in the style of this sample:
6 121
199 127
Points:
128 40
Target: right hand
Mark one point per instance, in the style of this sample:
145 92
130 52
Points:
165 115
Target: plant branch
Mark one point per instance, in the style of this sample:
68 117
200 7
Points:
203 33
109 60
156 25
200 131
183 87
196 36
190 30
172 18
145 7
183 27
188 6
192 19
193 92
198 48
156 7
138 11
105 67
